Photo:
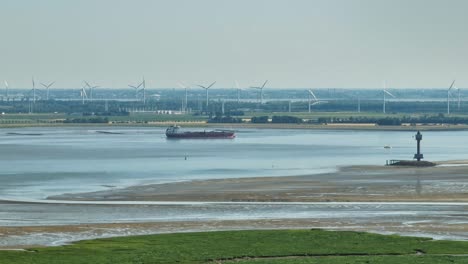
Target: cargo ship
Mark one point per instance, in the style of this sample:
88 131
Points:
175 132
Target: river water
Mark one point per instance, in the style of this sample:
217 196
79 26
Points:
39 162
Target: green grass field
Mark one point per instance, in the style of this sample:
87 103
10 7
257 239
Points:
279 246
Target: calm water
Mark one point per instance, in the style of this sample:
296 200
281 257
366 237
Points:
64 160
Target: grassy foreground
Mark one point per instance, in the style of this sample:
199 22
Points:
278 246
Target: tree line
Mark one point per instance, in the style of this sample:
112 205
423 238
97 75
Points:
397 121
382 121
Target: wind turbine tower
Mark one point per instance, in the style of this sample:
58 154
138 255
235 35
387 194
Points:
222 106
448 97
33 90
238 92
359 104
185 102
6 90
206 89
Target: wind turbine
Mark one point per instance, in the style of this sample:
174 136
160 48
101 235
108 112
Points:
238 92
91 89
47 86
385 93
310 95
83 94
182 85
136 88
261 90
448 97
33 89
206 89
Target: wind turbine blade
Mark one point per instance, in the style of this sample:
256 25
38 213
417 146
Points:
387 92
47 85
263 86
6 84
182 85
209 86
201 86
313 95
87 84
451 86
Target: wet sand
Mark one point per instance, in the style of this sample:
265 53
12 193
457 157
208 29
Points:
445 183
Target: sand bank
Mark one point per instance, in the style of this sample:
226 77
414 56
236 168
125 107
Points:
349 184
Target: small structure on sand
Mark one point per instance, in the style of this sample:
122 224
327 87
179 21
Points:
417 159
418 156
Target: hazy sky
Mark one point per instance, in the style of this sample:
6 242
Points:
293 43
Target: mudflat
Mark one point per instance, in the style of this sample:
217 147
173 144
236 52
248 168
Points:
447 182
